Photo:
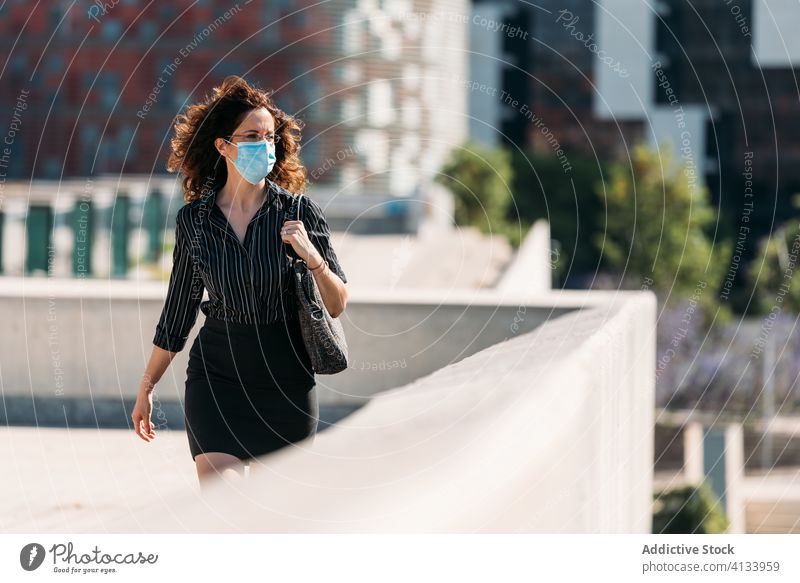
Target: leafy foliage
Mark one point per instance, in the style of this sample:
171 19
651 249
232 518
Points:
688 510
480 180
774 271
567 200
657 220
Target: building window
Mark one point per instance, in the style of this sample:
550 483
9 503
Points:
109 87
111 29
147 30
89 146
18 62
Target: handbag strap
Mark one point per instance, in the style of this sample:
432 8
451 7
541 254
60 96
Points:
292 216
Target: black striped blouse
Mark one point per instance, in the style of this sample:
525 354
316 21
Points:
247 282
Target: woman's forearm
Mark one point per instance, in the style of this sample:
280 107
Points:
331 287
160 360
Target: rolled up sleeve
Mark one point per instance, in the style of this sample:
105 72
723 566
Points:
320 235
184 294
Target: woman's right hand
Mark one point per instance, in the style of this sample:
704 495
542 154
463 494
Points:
142 411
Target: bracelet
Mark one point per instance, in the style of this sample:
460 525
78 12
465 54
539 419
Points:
324 262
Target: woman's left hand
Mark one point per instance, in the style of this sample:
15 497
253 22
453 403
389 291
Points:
294 232
331 287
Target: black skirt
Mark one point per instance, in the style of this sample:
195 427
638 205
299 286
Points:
250 389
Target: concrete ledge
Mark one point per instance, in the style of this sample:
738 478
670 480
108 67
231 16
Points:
92 338
530 271
550 431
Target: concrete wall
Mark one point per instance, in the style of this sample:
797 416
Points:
548 431
531 269
91 338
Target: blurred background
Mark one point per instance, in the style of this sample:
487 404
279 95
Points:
455 145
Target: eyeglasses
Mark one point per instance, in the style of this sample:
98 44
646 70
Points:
255 137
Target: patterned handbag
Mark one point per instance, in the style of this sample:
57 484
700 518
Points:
323 335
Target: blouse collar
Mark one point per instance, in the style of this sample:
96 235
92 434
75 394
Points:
215 213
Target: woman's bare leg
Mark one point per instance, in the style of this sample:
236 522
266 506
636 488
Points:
217 464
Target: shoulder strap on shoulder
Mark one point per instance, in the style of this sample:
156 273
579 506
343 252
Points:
294 212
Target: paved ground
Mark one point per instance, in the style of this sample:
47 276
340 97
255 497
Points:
54 476
77 479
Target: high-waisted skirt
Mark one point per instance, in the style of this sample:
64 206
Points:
250 389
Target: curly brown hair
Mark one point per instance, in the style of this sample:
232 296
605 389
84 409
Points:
193 152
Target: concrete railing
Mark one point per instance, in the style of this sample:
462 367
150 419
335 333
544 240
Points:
79 347
750 465
511 414
532 266
116 226
548 431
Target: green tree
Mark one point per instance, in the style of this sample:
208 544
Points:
480 180
567 200
773 272
655 232
691 509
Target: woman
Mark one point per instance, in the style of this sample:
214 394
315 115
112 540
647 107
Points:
250 387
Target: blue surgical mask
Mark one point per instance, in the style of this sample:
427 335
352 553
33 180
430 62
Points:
254 160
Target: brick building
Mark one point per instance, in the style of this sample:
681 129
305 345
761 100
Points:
103 81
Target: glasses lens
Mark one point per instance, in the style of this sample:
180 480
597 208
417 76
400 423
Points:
249 138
